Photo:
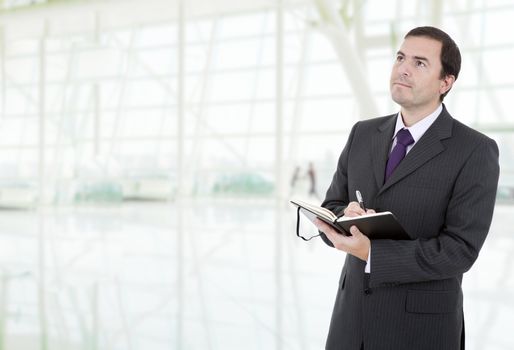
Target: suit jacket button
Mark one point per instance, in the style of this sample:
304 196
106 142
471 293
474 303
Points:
367 291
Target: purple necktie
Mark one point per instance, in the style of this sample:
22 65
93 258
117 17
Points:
403 140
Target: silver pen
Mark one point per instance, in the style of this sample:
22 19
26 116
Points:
360 200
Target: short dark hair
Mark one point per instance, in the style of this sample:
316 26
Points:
450 53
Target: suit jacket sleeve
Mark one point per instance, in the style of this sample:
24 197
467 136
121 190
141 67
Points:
336 198
467 220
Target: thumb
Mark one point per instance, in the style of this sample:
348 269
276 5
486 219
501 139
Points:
355 231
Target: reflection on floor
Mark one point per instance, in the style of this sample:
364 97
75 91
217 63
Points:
203 275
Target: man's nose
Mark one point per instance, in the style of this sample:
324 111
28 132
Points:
404 70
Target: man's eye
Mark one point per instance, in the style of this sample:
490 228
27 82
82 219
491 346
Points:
420 64
399 58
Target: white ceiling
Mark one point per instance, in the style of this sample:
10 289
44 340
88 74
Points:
65 17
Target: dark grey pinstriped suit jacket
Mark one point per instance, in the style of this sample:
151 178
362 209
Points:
443 193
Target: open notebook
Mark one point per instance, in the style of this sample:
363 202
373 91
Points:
383 225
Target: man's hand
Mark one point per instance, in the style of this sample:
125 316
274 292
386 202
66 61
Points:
354 209
357 244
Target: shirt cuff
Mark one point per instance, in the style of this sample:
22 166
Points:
367 269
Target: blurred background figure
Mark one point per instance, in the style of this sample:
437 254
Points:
295 178
311 174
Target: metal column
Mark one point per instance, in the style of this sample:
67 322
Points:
180 175
43 324
279 168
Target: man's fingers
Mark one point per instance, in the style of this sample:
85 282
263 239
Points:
357 244
322 226
353 209
326 229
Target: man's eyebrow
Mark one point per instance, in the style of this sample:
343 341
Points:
421 58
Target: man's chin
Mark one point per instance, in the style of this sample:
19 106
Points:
399 99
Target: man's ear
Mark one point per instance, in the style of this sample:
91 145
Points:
446 84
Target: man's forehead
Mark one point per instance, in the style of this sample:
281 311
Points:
421 46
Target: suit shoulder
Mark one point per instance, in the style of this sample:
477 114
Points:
473 136
377 121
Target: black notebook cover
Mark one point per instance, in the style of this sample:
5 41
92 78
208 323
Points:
382 225
376 226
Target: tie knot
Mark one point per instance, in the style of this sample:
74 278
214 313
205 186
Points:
404 137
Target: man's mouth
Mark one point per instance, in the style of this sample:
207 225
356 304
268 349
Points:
402 84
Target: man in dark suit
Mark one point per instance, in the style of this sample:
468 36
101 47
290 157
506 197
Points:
439 178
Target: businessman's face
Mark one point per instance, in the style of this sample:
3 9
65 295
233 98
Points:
416 82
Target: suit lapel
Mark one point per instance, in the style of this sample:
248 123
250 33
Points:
425 149
380 147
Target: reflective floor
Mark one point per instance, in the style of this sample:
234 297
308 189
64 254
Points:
202 275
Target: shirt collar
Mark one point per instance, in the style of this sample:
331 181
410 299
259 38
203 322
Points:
417 130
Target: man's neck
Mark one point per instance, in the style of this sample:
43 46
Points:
411 116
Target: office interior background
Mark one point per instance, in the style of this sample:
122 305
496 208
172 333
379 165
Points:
148 150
